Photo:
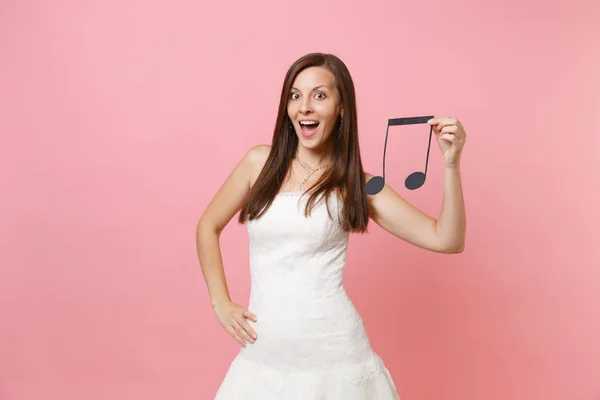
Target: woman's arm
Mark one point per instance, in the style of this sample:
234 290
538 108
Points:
225 204
396 215
452 223
211 262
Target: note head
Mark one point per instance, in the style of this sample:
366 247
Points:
415 180
375 185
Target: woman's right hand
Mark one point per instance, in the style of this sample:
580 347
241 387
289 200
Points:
232 317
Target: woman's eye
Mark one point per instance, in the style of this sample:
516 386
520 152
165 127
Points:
295 95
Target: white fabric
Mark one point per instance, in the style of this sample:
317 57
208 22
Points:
311 341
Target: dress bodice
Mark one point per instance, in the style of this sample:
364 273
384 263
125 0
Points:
297 261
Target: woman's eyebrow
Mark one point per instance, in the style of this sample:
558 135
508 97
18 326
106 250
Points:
315 88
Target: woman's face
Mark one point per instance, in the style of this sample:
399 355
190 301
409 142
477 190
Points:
314 106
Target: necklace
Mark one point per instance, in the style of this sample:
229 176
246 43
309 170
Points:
308 170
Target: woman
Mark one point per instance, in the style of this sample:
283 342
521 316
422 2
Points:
301 196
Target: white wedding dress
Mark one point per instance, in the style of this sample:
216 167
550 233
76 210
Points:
311 342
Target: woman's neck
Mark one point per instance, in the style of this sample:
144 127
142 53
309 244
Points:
313 159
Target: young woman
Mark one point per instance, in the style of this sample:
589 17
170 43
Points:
301 336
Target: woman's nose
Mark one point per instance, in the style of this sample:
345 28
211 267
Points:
306 106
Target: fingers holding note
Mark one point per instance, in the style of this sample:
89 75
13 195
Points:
451 137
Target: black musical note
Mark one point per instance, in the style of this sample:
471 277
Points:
414 180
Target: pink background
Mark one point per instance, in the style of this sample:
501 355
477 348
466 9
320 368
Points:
120 119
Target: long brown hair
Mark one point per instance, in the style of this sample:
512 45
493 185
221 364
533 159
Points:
345 177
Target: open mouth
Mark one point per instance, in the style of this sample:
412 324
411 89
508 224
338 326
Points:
309 127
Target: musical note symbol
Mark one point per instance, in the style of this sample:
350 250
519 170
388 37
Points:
414 180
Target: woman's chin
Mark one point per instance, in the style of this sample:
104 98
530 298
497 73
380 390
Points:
310 141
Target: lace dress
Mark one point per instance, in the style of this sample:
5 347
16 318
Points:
311 341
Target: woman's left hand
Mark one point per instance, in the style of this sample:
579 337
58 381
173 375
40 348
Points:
451 137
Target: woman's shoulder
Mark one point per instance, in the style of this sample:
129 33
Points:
367 176
258 154
256 158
